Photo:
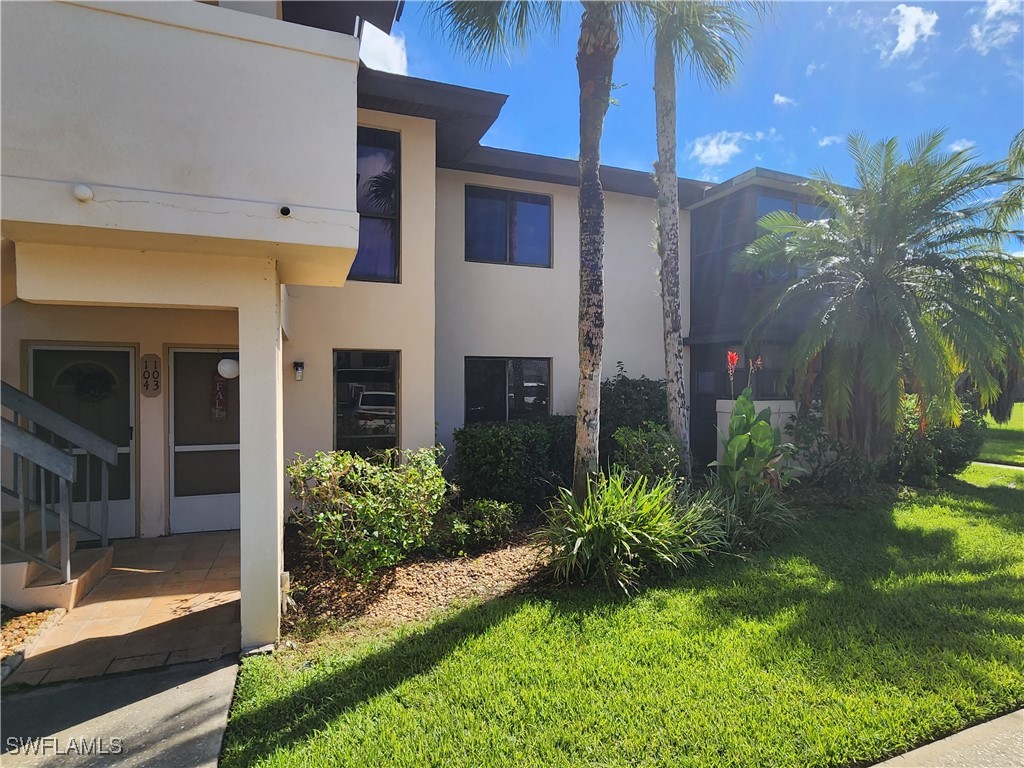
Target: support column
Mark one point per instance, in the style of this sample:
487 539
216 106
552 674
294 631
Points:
261 459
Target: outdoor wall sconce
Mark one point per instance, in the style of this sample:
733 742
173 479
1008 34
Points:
82 193
300 369
228 367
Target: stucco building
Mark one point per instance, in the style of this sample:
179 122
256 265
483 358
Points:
186 184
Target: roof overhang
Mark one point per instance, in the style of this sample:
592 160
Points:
462 115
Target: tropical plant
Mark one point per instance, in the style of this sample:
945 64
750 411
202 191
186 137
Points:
475 525
483 30
747 520
903 287
706 36
621 528
365 515
754 453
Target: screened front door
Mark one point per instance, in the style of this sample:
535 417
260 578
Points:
94 388
204 444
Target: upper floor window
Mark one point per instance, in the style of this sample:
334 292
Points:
504 227
377 196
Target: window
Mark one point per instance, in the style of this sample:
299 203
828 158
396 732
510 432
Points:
508 227
811 212
767 204
500 388
366 400
377 196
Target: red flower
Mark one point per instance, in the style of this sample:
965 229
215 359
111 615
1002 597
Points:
733 359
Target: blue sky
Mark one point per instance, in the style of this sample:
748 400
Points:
811 75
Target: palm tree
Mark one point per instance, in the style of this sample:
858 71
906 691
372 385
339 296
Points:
706 36
486 29
905 286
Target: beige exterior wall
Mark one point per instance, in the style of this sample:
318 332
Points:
374 316
149 331
517 311
186 121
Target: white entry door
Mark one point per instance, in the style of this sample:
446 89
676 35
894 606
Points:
204 443
95 388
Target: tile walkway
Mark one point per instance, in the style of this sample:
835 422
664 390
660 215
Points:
165 601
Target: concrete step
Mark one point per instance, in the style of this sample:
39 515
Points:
88 567
19 570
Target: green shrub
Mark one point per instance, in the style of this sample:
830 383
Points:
920 458
365 515
623 528
754 454
476 525
749 519
627 402
516 461
828 464
650 450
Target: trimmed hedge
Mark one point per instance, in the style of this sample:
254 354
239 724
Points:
521 462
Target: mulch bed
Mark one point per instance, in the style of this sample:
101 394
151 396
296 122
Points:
17 630
408 592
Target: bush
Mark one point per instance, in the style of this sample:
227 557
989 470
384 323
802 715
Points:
754 455
648 450
834 467
623 528
627 402
920 459
749 519
365 515
476 525
515 461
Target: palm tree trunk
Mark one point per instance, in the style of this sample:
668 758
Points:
595 58
668 239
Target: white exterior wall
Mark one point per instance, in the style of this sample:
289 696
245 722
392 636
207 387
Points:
373 316
518 311
187 121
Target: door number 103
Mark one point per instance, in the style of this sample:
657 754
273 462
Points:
151 381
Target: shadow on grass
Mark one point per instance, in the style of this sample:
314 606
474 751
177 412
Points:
866 596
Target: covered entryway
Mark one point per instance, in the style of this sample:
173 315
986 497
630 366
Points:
204 471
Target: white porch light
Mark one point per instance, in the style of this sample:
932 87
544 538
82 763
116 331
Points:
228 368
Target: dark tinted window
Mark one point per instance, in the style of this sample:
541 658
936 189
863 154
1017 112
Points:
810 212
498 389
504 227
366 400
377 195
767 204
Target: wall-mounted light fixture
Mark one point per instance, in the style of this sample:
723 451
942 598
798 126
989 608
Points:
228 366
82 193
300 369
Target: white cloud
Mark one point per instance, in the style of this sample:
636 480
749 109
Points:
828 141
383 52
961 144
913 25
719 148
812 68
714 150
783 101
999 25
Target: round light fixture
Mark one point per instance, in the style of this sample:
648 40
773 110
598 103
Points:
82 193
228 368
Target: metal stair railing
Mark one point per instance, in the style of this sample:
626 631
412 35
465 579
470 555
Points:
49 467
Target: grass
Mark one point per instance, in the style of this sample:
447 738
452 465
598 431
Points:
862 635
1004 443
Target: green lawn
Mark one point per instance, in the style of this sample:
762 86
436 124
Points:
1004 443
864 634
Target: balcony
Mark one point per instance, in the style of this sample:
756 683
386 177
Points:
180 127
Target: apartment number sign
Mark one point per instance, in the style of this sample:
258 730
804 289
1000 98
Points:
151 381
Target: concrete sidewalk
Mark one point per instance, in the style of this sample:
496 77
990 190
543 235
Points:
998 743
174 716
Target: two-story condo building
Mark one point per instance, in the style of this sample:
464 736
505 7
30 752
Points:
226 242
